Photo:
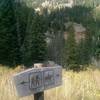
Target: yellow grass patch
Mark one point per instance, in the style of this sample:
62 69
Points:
84 85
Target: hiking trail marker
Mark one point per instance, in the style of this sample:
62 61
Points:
36 80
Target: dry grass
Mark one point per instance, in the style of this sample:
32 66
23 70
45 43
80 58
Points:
84 85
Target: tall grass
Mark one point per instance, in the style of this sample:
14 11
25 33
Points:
84 85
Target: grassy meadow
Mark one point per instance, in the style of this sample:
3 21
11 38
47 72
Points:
84 85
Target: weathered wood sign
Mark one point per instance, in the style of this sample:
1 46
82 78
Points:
37 79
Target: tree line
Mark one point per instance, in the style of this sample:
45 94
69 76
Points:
22 39
23 35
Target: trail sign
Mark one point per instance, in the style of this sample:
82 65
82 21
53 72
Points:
36 80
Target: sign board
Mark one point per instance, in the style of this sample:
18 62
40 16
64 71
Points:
37 80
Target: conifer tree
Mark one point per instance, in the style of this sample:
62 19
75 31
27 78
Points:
70 50
97 48
35 44
9 53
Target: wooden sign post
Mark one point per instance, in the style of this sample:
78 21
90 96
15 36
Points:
36 80
40 95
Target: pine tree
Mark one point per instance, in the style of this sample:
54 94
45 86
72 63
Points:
84 49
35 44
70 51
9 53
97 48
